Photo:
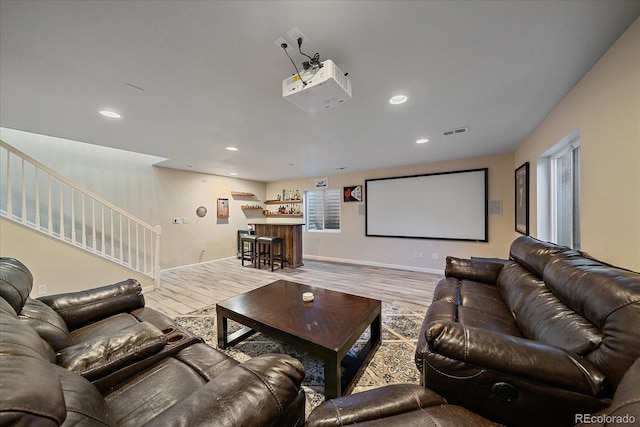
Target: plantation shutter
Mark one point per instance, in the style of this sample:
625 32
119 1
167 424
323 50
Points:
322 210
314 211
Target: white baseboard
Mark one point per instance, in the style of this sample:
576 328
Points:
374 264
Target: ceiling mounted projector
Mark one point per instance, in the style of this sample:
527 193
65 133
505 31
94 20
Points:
317 88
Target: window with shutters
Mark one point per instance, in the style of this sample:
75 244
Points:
558 192
322 210
565 196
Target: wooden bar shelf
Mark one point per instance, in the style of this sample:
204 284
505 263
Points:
281 202
284 215
242 193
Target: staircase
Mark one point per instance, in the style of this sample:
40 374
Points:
46 202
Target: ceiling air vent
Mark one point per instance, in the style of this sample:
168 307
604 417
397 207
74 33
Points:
455 131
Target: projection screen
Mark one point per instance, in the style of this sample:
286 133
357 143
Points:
447 206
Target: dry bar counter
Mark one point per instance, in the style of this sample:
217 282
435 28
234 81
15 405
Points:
292 236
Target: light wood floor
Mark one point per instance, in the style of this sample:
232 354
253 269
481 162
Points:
183 290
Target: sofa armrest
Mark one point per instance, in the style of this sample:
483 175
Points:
254 393
157 319
515 356
104 354
375 404
477 270
394 405
80 308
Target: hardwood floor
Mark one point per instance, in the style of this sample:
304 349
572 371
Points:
183 290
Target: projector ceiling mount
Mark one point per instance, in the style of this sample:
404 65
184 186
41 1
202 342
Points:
313 62
321 85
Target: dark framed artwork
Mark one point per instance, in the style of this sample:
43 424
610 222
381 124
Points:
522 199
352 193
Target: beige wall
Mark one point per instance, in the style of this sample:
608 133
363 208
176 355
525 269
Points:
351 244
180 194
605 108
62 268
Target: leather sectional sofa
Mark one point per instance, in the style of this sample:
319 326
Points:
541 339
533 340
101 358
414 405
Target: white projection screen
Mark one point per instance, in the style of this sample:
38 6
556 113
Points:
447 206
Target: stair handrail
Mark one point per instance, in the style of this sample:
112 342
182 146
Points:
155 230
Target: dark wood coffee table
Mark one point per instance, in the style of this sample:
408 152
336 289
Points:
326 328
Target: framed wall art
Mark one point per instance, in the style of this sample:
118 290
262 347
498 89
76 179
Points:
223 208
322 183
352 193
522 199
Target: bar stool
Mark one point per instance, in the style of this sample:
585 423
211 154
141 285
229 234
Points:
270 249
238 242
249 247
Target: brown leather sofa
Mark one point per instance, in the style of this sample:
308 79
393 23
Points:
101 358
534 340
413 405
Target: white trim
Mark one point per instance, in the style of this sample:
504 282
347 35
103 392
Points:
568 149
374 264
544 180
328 230
56 175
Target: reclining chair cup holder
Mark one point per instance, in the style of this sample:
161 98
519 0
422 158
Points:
169 330
174 338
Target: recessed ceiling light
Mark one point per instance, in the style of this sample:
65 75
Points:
233 173
398 99
422 141
110 114
231 148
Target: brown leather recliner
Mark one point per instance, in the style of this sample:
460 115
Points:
117 363
404 405
532 341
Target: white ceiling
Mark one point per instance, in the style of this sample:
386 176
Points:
211 77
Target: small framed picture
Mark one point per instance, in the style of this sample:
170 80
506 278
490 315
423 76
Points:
223 208
352 193
522 199
322 183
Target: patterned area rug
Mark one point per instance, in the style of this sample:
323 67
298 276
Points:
391 364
